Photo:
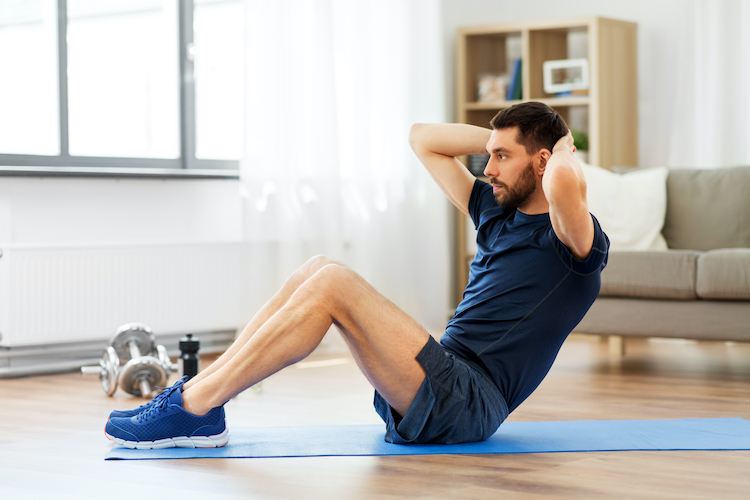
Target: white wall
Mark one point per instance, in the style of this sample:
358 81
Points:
47 223
36 210
659 34
75 210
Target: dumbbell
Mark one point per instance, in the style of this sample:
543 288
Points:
140 371
134 361
107 370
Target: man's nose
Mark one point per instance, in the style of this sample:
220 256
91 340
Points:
490 170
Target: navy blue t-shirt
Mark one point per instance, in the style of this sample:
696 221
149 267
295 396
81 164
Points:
526 293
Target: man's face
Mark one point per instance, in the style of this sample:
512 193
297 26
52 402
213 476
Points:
510 169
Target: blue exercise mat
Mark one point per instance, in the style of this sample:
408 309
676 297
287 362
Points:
512 437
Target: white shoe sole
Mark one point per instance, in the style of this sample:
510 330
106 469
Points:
216 441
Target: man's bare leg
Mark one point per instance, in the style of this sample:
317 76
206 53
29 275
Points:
307 270
384 340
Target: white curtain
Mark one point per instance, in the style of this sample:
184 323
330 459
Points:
710 124
332 87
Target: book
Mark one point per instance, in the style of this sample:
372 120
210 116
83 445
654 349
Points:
515 88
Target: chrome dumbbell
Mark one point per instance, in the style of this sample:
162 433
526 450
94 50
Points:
140 371
134 361
108 368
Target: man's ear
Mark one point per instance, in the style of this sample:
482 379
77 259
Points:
544 155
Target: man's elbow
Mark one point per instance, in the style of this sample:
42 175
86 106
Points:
562 182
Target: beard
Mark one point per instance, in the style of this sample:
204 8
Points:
512 197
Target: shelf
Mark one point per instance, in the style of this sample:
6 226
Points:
561 102
608 112
549 101
577 23
473 106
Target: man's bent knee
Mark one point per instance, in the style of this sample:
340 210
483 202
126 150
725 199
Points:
335 273
310 269
333 280
318 262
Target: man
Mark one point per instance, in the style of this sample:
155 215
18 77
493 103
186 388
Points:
535 275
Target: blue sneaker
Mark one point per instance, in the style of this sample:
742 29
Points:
156 400
168 425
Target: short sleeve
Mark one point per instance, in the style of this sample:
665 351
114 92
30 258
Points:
597 258
481 200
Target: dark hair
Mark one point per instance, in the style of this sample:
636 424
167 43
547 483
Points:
539 126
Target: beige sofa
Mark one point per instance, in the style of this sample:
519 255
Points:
700 287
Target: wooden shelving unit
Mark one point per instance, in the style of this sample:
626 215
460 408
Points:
608 113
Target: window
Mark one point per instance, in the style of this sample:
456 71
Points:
218 45
29 122
100 86
123 79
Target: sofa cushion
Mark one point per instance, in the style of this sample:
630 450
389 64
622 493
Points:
682 319
630 207
653 275
708 209
724 274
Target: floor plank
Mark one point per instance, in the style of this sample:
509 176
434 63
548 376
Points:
52 443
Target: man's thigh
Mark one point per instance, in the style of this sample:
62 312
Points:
384 340
457 403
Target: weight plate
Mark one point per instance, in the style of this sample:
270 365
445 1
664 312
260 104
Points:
144 368
110 365
138 333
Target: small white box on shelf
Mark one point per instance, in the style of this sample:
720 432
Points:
566 75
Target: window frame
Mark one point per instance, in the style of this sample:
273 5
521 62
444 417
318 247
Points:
187 165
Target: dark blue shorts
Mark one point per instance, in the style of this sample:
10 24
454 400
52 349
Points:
457 403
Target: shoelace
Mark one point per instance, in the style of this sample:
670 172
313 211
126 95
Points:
166 391
159 403
159 397
155 409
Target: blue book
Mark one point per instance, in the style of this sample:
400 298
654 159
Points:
518 87
515 84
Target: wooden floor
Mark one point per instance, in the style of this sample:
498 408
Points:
52 443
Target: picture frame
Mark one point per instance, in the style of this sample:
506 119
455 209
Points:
566 75
491 87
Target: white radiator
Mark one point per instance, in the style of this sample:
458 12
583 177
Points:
67 294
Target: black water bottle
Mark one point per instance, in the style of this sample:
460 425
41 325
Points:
190 361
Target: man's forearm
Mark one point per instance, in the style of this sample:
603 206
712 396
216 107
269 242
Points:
564 187
438 145
562 159
449 139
